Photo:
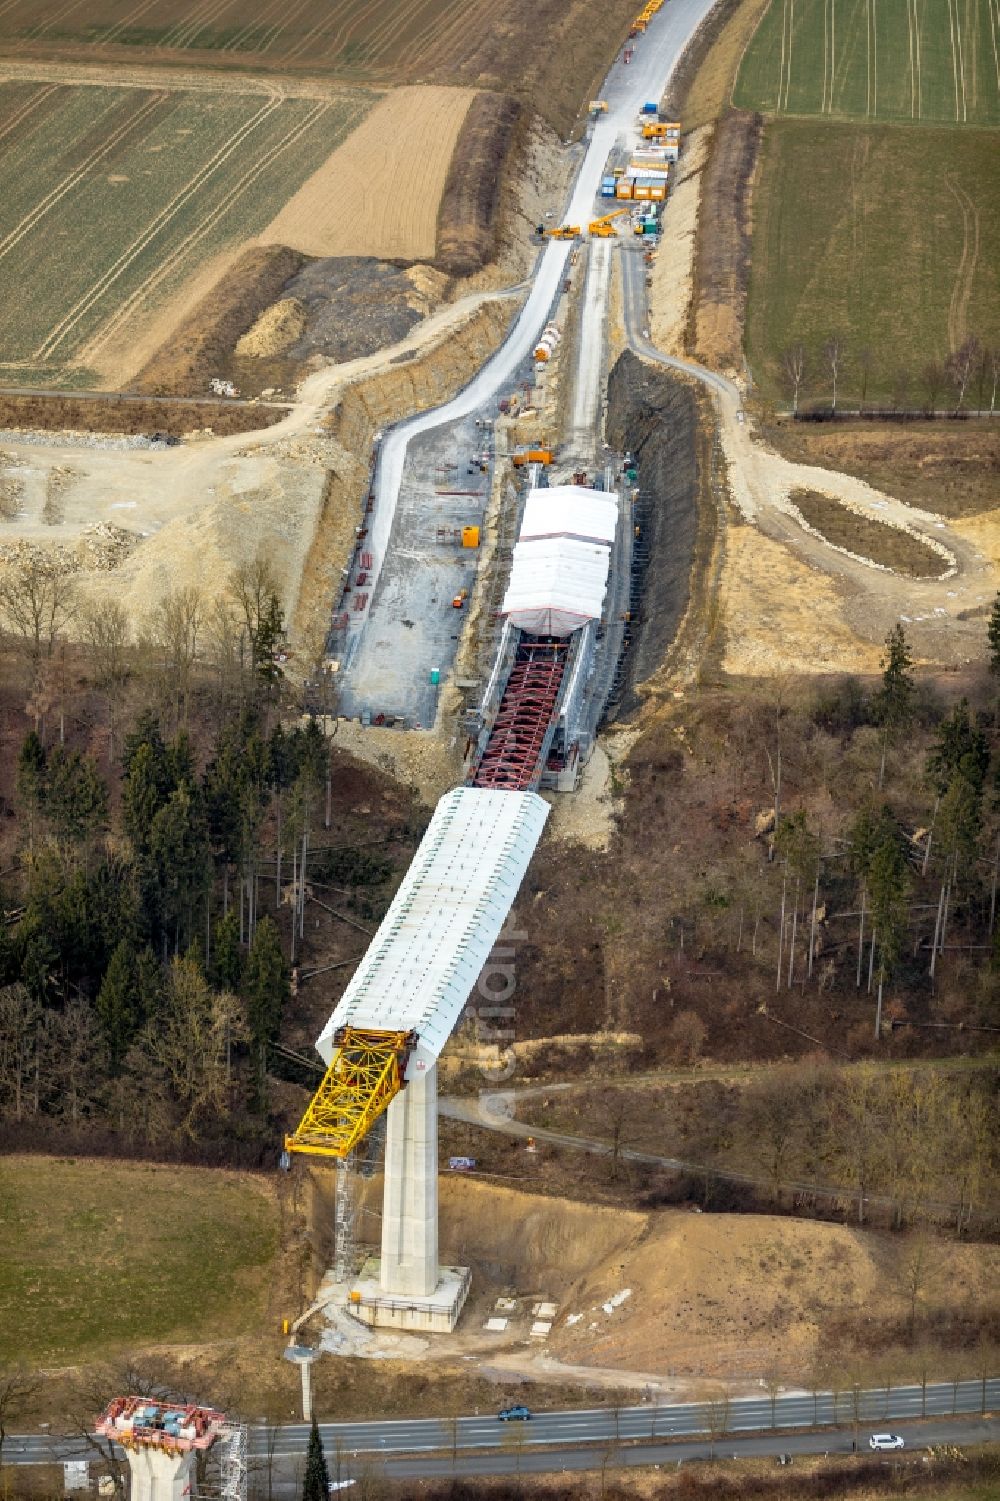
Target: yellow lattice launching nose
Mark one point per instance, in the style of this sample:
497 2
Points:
365 1074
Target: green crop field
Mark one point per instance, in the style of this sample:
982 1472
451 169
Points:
929 60
887 236
111 197
99 1256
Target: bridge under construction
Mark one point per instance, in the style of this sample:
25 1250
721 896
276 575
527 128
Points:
534 728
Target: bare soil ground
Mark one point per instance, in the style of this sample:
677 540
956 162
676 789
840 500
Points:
672 276
888 546
56 414
378 194
707 1296
723 256
198 346
781 615
467 221
952 468
194 513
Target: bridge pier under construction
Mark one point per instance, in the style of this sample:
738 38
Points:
406 1287
564 609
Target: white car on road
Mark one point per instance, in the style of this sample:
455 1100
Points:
885 1441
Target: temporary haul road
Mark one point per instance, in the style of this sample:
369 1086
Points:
580 1440
626 89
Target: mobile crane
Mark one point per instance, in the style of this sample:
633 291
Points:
603 229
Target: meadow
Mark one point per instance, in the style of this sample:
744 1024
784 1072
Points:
111 198
101 1256
887 237
919 60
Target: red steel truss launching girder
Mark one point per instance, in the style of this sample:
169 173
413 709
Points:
512 759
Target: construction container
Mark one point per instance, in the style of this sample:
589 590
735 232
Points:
607 187
470 536
650 189
649 169
533 456
650 108
624 187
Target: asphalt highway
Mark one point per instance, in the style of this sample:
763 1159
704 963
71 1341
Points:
565 1430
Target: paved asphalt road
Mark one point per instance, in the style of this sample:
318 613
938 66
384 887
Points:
559 1433
625 89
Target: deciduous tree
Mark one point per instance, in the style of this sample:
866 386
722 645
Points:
37 601
793 364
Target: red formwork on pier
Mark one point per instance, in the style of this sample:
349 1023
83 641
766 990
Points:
512 759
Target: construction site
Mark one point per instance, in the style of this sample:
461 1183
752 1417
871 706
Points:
512 528
554 596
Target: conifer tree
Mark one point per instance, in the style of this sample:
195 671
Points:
265 983
316 1482
119 1004
31 777
893 703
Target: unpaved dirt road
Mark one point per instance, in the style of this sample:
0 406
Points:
872 598
202 508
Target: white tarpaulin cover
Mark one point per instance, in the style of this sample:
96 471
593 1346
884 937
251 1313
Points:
444 920
556 585
570 511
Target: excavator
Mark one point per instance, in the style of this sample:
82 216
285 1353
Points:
564 232
603 229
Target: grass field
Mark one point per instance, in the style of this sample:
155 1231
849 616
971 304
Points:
110 198
98 1256
887 236
930 60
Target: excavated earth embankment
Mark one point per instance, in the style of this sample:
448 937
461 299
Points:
655 416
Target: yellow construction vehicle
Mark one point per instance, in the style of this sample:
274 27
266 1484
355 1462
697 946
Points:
603 229
598 107
564 232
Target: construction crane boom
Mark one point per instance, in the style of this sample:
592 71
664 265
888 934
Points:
601 229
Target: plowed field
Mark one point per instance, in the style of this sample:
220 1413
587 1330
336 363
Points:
378 194
112 198
551 51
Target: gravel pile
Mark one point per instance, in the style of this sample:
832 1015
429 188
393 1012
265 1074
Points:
99 549
121 443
